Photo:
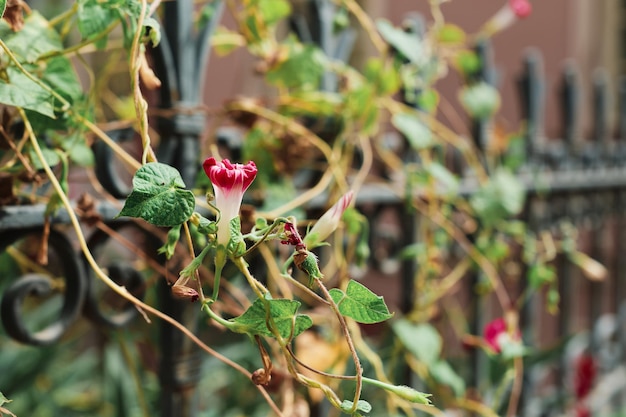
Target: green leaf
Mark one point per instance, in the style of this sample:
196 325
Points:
427 100
422 340
451 34
3 399
540 274
236 245
408 44
500 198
480 100
94 17
51 157
61 76
81 154
302 69
383 75
3 7
448 182
153 27
443 373
361 406
35 39
283 314
360 304
273 10
415 131
159 196
25 93
206 226
468 62
169 246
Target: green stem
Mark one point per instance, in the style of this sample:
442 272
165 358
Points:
232 326
64 16
220 261
80 45
277 222
355 356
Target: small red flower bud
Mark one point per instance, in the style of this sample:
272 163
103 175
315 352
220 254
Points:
521 8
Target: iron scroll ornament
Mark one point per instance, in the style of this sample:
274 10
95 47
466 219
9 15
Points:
41 284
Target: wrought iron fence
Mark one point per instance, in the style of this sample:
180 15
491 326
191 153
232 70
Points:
572 179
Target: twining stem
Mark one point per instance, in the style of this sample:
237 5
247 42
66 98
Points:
122 291
141 105
346 332
367 24
486 266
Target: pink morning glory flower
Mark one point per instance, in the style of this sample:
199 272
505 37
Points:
230 181
328 222
496 334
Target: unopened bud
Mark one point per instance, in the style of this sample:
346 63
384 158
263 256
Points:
306 261
185 293
411 394
261 377
591 268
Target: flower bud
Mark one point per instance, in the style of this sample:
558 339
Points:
307 262
328 222
185 293
591 268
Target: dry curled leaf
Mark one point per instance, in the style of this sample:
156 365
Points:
147 75
14 14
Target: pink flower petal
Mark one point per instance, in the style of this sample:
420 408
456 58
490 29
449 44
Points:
521 8
230 181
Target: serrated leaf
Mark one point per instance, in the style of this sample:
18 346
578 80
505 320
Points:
415 131
283 313
361 406
422 340
360 304
159 196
